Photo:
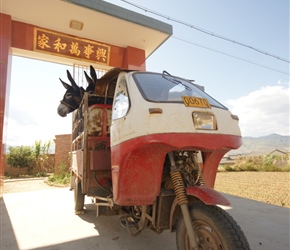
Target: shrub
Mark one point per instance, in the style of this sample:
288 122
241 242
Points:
270 163
40 174
276 160
51 178
34 158
63 177
40 151
20 156
229 168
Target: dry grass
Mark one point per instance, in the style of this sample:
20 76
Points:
269 187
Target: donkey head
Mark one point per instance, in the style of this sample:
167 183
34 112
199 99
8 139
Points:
74 94
72 97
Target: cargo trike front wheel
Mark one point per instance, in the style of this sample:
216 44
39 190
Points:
214 229
79 197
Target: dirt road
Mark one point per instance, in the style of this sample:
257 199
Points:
25 185
35 215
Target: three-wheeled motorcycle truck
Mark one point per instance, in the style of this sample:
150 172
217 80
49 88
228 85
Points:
146 147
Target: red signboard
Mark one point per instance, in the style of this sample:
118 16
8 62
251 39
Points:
59 44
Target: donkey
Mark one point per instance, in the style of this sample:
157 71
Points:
74 94
103 89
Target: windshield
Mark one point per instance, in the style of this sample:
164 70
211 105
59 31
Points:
156 87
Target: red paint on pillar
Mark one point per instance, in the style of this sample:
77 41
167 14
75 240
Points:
134 59
22 35
116 56
5 42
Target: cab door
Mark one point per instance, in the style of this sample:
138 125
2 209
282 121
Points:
120 109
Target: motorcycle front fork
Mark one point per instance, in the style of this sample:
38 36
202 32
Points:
182 200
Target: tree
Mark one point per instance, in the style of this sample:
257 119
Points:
41 151
35 158
20 156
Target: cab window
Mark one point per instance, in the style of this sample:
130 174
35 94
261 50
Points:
164 88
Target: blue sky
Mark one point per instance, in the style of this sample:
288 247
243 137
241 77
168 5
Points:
256 90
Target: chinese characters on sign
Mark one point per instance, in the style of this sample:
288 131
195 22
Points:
64 45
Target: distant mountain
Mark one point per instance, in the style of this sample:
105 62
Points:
263 145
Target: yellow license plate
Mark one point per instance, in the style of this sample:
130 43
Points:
192 101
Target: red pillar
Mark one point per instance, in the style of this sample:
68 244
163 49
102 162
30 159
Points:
134 59
5 66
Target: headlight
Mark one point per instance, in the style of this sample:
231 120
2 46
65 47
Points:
204 120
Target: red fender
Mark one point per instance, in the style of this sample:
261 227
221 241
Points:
207 195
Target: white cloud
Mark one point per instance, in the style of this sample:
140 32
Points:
35 118
264 111
45 130
33 101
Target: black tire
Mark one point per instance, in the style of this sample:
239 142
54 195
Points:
79 197
214 229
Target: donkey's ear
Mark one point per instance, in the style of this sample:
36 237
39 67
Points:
93 74
82 91
89 80
64 84
72 81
